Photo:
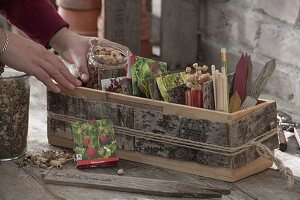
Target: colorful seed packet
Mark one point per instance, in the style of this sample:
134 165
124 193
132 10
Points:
170 81
95 143
141 69
112 84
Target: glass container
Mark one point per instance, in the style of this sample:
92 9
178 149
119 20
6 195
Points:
14 110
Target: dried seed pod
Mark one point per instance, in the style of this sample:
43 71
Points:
195 65
204 68
41 159
188 70
56 164
44 166
190 77
199 72
63 160
190 85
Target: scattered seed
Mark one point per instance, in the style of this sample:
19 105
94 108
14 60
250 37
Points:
120 172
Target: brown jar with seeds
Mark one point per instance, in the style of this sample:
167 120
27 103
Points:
14 109
106 60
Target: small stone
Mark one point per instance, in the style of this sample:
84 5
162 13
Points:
120 172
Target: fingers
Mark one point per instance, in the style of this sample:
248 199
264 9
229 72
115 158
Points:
59 72
41 75
81 64
80 61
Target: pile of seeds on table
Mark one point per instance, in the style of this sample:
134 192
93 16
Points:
46 160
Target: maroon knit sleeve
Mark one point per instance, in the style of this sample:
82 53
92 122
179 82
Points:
37 18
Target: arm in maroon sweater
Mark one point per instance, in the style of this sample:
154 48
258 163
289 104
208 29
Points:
37 18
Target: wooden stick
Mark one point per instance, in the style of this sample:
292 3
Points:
235 102
213 72
132 184
225 90
219 91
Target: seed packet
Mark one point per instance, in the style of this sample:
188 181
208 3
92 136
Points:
95 143
169 82
112 84
141 69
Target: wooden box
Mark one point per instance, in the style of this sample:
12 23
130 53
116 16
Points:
193 140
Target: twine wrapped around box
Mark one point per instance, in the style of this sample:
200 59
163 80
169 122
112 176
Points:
256 143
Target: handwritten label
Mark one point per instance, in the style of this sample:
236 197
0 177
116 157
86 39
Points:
85 177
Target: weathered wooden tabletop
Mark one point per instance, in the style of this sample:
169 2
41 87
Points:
26 183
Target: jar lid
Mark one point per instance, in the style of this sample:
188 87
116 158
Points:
12 73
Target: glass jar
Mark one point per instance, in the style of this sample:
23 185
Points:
14 110
103 66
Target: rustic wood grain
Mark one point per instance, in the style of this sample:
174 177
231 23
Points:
262 79
181 127
17 184
122 23
251 126
131 184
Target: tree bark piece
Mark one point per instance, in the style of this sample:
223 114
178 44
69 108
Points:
208 95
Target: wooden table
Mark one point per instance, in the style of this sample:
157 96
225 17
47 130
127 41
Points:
26 183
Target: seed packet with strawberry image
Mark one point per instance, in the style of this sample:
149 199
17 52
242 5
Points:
95 143
112 84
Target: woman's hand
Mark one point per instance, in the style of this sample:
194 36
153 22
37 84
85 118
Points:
30 57
72 48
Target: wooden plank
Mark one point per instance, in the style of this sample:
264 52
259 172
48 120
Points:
250 127
200 130
220 173
17 184
131 184
179 32
268 185
242 113
122 23
262 79
149 104
173 152
254 124
259 84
